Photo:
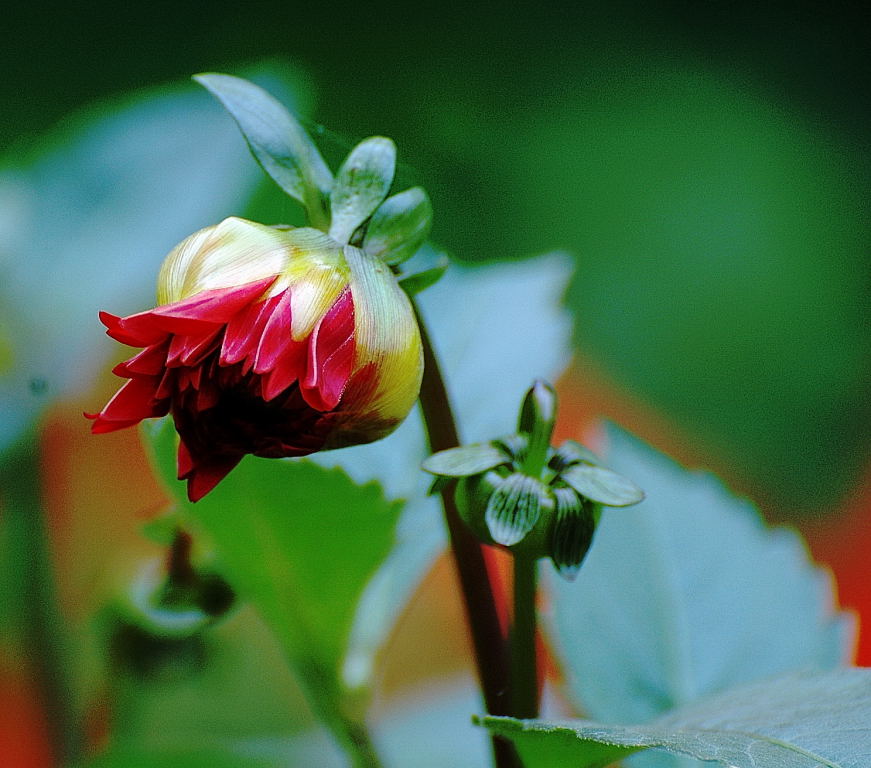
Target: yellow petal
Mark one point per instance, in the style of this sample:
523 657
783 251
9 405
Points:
316 273
231 253
387 335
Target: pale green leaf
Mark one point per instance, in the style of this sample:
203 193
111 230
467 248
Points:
399 226
819 720
361 185
277 141
686 594
422 718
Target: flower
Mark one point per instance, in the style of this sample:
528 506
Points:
274 342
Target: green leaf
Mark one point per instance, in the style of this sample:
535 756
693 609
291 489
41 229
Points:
297 540
819 720
416 282
465 460
602 485
513 508
361 185
221 753
400 226
277 141
194 757
227 691
686 594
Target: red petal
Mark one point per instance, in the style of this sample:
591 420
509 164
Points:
167 384
204 477
275 337
136 330
196 376
229 376
195 315
361 388
185 462
243 332
191 349
184 379
208 396
331 356
149 362
286 371
215 306
135 401
100 427
335 372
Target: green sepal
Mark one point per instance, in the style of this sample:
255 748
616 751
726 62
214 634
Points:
602 485
361 185
419 281
278 142
465 460
400 226
514 508
537 420
514 445
572 532
438 485
571 452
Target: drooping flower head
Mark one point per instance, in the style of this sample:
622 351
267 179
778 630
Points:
274 342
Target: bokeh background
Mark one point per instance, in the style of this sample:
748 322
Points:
706 166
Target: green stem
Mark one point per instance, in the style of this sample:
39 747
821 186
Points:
42 624
488 642
524 666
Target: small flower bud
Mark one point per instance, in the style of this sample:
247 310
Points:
270 342
519 493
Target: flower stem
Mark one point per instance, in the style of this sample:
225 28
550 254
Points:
524 667
491 653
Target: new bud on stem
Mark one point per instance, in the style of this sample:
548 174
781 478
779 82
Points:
520 493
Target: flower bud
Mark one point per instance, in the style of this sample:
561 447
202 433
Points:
270 342
520 493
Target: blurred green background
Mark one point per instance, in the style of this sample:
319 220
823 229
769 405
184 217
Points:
707 164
